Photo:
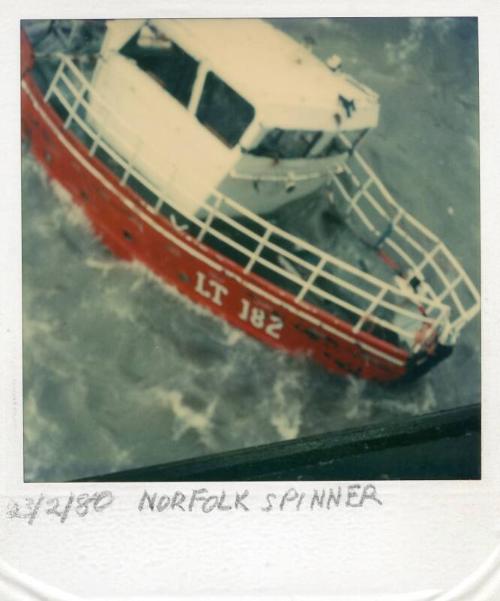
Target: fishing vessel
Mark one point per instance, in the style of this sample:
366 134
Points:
187 143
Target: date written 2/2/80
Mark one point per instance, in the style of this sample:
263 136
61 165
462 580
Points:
256 316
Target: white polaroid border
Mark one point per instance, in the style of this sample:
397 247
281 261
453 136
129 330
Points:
429 540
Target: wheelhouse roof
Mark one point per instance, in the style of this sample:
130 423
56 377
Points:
286 83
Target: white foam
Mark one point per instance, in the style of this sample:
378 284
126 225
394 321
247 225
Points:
187 417
286 414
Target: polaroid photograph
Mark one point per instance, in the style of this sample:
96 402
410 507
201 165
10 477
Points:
223 265
249 314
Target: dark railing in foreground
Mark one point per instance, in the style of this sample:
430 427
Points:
441 445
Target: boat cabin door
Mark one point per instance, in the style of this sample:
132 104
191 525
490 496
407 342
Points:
167 112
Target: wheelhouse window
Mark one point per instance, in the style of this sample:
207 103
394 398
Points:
223 111
164 61
286 144
335 147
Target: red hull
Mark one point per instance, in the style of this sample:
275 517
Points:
130 228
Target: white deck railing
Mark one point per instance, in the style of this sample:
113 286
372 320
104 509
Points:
418 250
414 317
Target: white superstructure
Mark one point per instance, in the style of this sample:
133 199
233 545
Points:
228 104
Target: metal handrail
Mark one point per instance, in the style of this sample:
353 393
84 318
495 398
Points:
324 260
428 256
428 310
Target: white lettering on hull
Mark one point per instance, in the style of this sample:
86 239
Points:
210 289
259 319
255 316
